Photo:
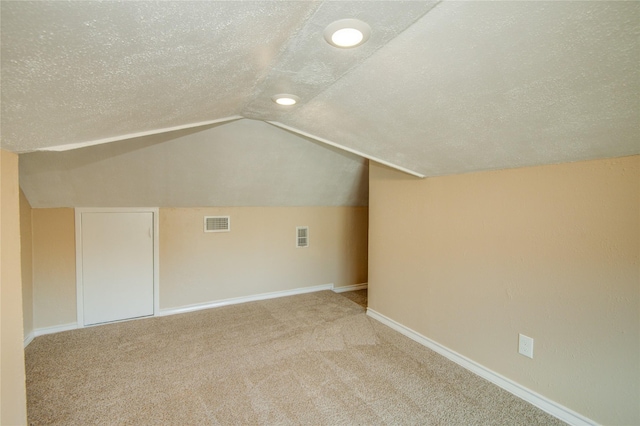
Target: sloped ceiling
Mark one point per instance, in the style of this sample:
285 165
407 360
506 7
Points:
440 88
243 163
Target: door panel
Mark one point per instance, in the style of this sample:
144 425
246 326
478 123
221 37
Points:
117 266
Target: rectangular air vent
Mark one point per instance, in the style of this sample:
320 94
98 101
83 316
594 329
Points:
217 224
302 236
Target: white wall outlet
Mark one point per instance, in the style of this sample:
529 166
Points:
525 345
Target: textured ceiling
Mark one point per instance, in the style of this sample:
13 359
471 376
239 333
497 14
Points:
243 163
440 87
76 72
491 85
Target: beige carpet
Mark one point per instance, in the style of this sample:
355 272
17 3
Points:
313 359
358 296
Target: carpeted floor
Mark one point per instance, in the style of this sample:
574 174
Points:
309 359
358 296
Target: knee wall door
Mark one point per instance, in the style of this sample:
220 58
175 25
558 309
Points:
117 266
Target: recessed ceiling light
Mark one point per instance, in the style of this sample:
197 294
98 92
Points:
347 33
285 99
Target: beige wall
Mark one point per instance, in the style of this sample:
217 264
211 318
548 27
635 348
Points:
27 264
13 402
552 252
259 254
54 267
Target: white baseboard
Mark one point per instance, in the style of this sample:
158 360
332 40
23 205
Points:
55 329
353 287
243 299
29 338
561 412
190 308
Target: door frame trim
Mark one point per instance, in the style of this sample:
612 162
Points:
156 254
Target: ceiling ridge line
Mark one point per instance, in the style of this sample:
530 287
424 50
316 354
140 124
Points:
344 148
276 60
359 63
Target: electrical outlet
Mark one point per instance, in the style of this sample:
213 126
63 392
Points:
525 345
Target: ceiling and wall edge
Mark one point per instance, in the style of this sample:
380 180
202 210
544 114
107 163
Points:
68 147
344 148
78 145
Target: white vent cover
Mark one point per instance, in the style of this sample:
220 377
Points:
302 236
217 224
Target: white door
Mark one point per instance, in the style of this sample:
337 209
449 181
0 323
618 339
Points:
117 266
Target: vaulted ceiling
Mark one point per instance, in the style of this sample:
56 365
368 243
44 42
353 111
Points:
439 88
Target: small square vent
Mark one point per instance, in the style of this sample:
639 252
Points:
217 224
302 236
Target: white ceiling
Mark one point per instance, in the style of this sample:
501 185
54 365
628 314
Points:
439 88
